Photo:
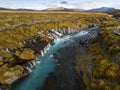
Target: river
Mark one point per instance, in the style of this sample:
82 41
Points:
47 63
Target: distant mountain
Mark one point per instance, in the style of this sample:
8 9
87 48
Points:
20 9
1 8
115 13
61 9
47 10
102 9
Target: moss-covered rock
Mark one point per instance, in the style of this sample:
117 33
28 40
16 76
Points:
10 75
27 54
1 61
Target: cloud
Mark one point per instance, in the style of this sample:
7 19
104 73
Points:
63 2
79 5
87 5
42 4
64 5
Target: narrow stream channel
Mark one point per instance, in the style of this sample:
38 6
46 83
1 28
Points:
47 62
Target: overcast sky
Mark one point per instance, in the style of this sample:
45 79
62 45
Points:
43 4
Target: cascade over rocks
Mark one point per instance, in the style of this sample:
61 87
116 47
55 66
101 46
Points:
52 34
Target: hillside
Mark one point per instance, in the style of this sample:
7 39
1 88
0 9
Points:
102 9
106 58
61 9
1 8
57 9
19 9
115 13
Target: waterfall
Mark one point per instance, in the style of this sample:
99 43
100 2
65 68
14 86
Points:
34 62
28 69
30 65
37 57
48 46
54 34
57 33
44 50
50 36
63 31
41 52
37 62
69 30
60 31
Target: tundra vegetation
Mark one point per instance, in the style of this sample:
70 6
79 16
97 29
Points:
106 58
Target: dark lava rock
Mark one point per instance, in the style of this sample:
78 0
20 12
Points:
50 83
65 76
4 87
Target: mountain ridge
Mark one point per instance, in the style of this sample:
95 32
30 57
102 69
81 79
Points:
101 9
19 9
62 9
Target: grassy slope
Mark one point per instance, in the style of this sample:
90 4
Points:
106 65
